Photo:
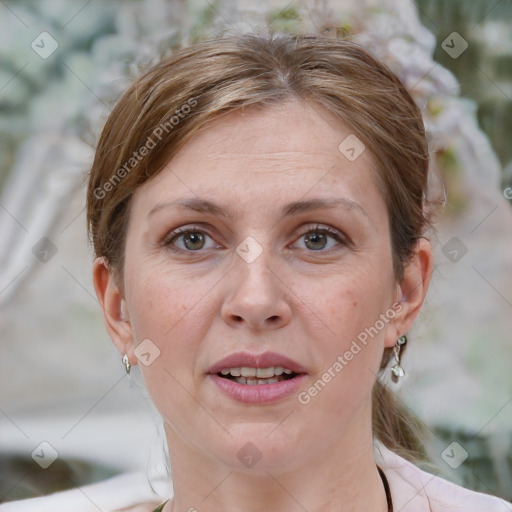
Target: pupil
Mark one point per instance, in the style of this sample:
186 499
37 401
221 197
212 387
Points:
316 236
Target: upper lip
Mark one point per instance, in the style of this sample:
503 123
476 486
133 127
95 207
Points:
264 360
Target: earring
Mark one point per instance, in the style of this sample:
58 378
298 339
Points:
397 371
126 363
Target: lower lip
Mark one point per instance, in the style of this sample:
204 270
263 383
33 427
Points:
258 393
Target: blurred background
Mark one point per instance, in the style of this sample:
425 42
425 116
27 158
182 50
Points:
64 392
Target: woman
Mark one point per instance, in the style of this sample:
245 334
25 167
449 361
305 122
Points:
259 212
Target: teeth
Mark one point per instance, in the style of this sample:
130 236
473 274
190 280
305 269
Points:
265 373
255 382
260 373
248 372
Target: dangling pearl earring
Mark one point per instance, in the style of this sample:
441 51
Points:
397 371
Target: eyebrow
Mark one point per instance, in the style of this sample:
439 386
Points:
205 206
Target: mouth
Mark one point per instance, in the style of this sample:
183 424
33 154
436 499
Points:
257 378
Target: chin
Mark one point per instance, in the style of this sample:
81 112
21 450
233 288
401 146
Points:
256 449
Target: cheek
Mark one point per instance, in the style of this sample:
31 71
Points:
351 300
172 311
352 306
161 316
161 303
155 309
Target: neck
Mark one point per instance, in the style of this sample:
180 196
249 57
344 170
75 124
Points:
342 475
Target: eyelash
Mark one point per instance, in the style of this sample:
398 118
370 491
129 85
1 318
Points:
168 242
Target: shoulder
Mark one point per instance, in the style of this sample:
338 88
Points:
415 490
130 492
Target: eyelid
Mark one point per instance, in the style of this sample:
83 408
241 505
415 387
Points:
319 227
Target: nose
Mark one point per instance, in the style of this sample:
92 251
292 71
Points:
257 296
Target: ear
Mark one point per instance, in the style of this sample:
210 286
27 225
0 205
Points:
113 305
412 290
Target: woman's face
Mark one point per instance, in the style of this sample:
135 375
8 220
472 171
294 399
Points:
252 277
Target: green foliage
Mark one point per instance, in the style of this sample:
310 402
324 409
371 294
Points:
284 20
205 18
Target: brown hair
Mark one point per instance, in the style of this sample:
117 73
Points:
171 101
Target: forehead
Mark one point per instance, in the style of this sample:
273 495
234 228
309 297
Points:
288 129
283 151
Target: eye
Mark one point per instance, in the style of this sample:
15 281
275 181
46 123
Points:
316 239
193 239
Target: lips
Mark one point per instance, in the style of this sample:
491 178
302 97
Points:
263 360
257 390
